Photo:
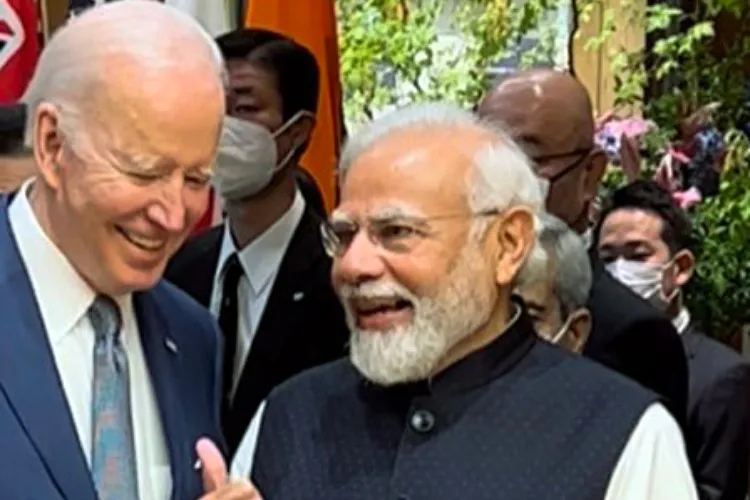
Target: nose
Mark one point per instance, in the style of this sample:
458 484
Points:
169 212
360 262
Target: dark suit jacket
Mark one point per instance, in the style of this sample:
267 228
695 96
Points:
41 455
632 337
718 426
302 326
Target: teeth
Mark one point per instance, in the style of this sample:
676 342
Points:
146 243
367 305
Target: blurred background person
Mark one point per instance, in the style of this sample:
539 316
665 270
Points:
644 240
549 114
556 300
264 273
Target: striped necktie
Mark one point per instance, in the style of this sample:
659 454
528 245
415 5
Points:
113 452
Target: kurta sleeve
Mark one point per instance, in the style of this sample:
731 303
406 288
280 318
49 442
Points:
653 464
242 464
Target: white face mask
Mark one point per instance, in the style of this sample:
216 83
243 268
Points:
561 332
643 279
247 158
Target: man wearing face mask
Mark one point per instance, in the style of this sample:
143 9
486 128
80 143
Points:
264 273
644 240
556 300
549 113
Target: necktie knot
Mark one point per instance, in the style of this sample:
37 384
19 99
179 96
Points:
232 273
105 318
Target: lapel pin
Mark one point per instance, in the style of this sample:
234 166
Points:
298 296
171 345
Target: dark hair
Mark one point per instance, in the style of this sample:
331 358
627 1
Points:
650 197
293 66
12 126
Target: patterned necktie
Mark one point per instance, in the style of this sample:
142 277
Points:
113 453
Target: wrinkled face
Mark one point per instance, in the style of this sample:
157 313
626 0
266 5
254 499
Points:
568 331
542 305
412 278
122 202
637 235
567 160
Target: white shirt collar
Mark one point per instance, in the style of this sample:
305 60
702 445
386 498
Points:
682 321
61 293
262 257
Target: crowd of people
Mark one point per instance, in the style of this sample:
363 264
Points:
459 327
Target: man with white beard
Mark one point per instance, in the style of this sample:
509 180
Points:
447 393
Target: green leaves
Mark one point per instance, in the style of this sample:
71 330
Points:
398 51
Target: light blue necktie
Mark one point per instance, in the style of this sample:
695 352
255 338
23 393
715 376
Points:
112 450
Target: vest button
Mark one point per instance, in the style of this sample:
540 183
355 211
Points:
422 421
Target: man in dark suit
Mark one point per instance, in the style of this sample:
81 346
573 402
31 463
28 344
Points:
644 240
549 113
109 377
264 273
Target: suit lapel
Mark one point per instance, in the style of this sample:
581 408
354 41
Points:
29 379
691 338
162 354
289 289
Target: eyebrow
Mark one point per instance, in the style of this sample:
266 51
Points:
386 213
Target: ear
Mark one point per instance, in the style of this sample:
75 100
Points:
515 238
685 261
302 130
594 173
47 144
579 328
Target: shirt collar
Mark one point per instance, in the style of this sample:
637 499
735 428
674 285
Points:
61 293
262 257
682 321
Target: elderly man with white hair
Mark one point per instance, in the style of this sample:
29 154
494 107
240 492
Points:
109 377
556 300
448 393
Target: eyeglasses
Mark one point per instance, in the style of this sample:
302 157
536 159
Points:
582 154
394 234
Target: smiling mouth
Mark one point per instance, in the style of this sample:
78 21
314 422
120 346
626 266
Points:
147 244
381 313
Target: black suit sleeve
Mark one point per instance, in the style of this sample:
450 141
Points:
649 351
722 431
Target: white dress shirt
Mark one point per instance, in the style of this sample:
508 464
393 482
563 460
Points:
682 321
260 261
653 465
64 298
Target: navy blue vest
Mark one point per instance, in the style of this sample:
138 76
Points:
517 420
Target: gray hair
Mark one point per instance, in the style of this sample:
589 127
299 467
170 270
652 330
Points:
566 248
74 61
502 177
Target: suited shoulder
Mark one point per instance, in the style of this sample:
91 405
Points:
712 354
185 315
194 249
575 372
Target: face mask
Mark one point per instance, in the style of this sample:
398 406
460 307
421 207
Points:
642 278
247 158
561 332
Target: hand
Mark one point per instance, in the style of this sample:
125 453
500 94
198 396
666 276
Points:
216 483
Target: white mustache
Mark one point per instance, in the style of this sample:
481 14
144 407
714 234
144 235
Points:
376 290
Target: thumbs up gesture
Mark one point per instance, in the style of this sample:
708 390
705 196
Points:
216 482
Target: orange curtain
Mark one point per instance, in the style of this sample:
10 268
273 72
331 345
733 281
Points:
312 23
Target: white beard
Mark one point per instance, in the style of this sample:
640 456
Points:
412 352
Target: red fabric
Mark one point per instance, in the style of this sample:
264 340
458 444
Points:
19 47
206 222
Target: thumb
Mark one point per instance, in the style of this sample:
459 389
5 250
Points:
213 466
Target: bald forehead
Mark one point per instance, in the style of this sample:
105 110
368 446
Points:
547 112
426 166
